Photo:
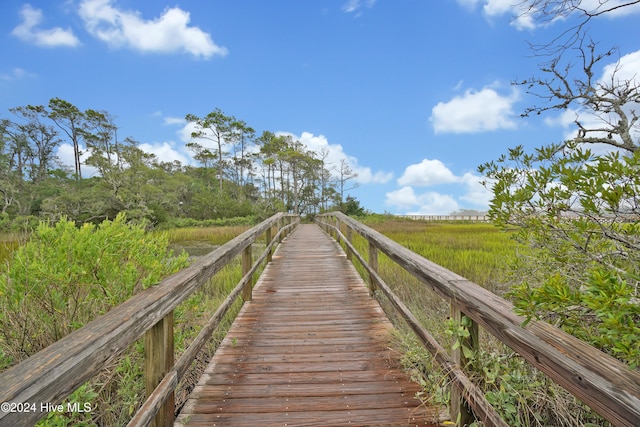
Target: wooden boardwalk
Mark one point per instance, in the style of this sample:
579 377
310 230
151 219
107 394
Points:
311 349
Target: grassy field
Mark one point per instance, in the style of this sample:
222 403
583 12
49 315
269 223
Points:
210 235
476 251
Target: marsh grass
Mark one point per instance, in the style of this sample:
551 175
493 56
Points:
6 249
477 251
194 313
190 317
210 235
8 243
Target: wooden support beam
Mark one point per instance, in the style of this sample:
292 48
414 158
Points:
460 410
373 263
246 267
158 361
267 238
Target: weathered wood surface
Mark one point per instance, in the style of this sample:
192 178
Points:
608 386
310 349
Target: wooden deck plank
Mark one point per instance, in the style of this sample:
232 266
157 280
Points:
320 389
310 349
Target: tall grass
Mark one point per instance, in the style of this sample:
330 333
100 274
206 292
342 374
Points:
194 313
211 235
476 251
6 249
8 243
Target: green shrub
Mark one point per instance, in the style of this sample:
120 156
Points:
64 277
604 311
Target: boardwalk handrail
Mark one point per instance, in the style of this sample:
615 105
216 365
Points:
608 386
51 375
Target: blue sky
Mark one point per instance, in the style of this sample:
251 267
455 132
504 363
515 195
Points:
413 94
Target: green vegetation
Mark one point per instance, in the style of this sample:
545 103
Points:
476 251
64 276
211 235
578 214
6 249
238 173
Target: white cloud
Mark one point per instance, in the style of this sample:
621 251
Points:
165 152
28 31
66 157
17 74
467 190
469 4
167 34
522 19
184 133
356 6
316 143
429 203
564 119
335 154
496 8
475 111
588 120
174 120
627 69
403 198
595 6
366 176
475 192
426 173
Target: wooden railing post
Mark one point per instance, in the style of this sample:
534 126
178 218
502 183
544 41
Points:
373 263
460 411
349 236
246 267
267 238
158 361
280 225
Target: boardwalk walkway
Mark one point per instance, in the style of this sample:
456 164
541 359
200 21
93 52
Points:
309 350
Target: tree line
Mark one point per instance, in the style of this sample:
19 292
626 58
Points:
237 172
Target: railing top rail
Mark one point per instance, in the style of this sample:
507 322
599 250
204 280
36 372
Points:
607 385
54 373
